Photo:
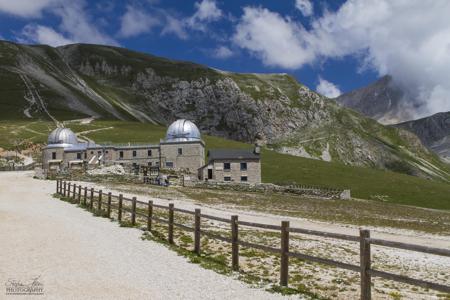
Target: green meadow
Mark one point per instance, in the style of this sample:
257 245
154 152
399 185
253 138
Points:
364 183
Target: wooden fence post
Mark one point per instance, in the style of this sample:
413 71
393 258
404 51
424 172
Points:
79 194
57 185
119 210
99 203
234 243
365 264
85 196
149 215
170 235
64 188
197 231
91 203
133 211
74 191
284 266
68 190
109 205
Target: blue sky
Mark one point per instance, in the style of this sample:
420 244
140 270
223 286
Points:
208 46
331 46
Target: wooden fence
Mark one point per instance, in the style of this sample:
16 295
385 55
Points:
80 194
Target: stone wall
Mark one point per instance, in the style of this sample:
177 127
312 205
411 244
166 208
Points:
272 188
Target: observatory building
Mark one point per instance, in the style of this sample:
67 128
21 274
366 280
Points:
182 150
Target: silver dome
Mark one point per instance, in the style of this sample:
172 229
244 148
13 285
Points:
62 136
182 131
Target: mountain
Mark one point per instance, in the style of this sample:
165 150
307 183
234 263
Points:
380 100
80 80
433 131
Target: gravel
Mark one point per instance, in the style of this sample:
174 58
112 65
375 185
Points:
78 256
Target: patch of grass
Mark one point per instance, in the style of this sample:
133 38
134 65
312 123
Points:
300 289
364 182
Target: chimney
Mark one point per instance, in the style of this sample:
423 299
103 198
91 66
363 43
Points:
257 149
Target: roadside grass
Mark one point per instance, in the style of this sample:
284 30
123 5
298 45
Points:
364 183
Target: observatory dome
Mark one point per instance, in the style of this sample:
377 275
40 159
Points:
62 136
182 131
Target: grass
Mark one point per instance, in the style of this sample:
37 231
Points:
364 183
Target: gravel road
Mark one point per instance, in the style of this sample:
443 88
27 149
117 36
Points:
78 256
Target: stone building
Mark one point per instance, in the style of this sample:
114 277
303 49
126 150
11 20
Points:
232 165
182 150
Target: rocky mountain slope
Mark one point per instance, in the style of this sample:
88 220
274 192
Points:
433 131
380 100
82 80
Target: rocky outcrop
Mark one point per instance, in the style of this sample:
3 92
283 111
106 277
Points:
77 81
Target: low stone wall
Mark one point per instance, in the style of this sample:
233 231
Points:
272 188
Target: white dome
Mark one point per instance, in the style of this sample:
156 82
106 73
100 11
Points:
182 131
62 136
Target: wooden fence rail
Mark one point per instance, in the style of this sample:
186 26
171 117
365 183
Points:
364 268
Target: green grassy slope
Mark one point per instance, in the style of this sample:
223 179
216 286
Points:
364 182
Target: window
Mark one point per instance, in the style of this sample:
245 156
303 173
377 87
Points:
150 164
243 166
79 155
107 151
180 151
53 155
244 178
92 152
227 178
226 166
99 153
121 154
85 155
149 153
169 164
134 153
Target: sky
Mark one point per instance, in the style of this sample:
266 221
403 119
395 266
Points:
331 46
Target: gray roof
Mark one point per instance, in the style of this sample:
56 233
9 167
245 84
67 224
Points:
61 136
182 131
215 154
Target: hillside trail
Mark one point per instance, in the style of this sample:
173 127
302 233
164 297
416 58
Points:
77 256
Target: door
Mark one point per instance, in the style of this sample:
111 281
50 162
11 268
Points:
210 174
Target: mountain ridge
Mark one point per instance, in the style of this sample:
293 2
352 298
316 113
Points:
82 80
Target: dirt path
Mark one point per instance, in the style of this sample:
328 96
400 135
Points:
78 256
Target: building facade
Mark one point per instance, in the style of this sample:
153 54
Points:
232 165
181 150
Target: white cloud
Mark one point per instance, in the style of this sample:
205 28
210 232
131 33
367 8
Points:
75 26
136 21
174 26
222 52
272 38
328 89
409 40
25 8
43 35
305 6
207 11
79 26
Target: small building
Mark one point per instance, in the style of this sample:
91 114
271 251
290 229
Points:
182 150
232 165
